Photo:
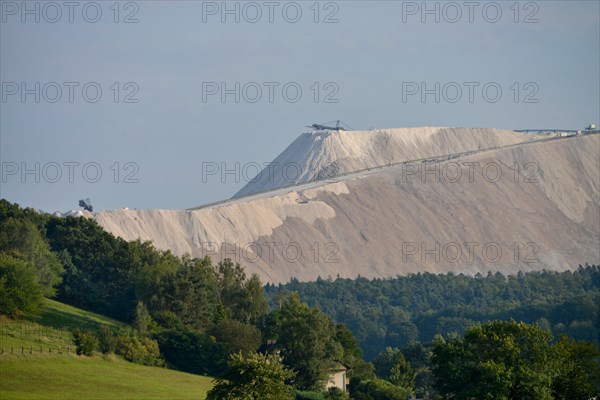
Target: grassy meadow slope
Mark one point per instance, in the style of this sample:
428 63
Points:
37 361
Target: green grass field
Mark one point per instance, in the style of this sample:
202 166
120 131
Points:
37 361
60 316
95 378
48 331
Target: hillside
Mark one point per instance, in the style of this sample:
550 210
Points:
541 212
37 361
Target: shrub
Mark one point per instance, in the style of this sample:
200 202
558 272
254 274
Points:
85 342
143 351
107 339
142 320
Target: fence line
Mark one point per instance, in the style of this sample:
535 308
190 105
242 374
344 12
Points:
32 350
34 339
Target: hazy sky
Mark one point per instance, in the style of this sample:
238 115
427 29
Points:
134 89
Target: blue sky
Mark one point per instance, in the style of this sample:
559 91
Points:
544 57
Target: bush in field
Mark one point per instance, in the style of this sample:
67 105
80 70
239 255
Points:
142 320
107 340
85 342
143 350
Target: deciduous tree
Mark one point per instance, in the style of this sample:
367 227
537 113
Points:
306 339
499 360
253 377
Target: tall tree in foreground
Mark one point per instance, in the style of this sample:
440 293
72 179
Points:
391 365
242 298
419 357
19 287
142 319
578 370
253 377
306 339
22 239
499 360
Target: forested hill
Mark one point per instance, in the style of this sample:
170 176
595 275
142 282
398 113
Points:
204 318
394 312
